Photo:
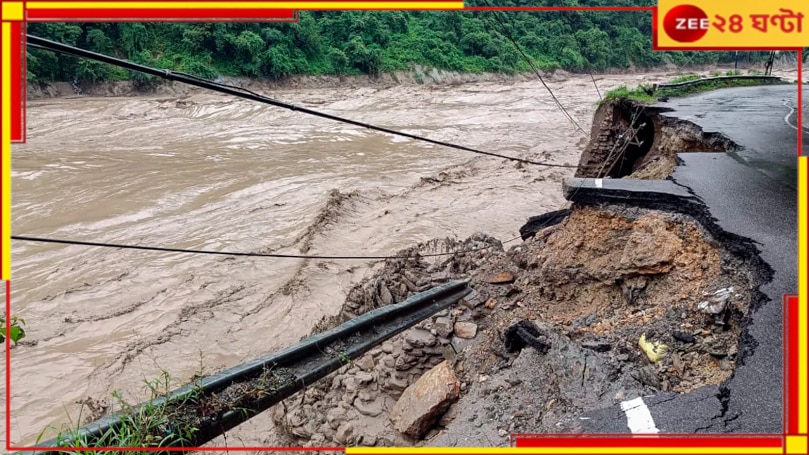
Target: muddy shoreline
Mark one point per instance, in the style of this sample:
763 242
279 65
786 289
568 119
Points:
418 76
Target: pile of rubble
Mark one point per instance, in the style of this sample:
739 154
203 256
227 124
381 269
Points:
623 302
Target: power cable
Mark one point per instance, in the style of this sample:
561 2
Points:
45 44
581 52
530 62
233 253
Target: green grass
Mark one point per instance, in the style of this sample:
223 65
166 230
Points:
646 93
148 426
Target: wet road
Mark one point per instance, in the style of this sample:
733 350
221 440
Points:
751 193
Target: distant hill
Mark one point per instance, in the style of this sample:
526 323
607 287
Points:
369 42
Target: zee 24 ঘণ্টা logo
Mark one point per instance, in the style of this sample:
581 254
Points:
689 23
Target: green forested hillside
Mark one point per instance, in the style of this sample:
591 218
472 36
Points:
365 42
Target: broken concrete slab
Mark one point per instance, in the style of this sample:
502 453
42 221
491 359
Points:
540 222
619 190
426 400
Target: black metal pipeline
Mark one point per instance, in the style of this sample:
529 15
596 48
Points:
300 365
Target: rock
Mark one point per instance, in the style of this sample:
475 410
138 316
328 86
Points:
370 408
389 361
368 441
472 300
490 304
365 363
364 377
345 434
350 384
425 401
335 416
459 344
387 347
405 362
419 338
598 346
385 295
397 383
501 278
650 248
466 330
305 431
443 327
684 337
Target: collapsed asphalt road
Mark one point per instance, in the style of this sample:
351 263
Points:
750 193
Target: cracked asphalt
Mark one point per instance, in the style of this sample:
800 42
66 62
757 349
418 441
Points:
750 193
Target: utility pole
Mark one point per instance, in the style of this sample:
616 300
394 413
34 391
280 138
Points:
768 65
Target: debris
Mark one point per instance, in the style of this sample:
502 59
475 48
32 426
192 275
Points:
459 344
385 295
585 321
526 333
419 338
443 326
369 408
490 304
716 304
466 329
365 363
598 346
472 300
501 278
345 434
684 337
541 222
653 350
425 401
647 376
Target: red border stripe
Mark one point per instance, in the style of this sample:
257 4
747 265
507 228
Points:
17 83
792 352
652 441
161 14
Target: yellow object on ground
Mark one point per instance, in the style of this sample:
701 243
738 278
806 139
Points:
654 350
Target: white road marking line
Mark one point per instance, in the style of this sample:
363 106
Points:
638 417
786 118
599 183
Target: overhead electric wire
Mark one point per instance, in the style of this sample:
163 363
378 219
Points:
530 62
41 43
235 253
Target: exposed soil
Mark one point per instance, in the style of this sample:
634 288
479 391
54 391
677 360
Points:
594 284
632 140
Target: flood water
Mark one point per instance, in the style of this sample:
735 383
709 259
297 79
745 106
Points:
211 172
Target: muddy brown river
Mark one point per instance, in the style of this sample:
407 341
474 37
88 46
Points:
211 172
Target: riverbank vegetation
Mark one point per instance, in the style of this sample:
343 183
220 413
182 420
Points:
367 42
650 94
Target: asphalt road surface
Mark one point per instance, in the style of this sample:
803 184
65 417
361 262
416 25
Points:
751 193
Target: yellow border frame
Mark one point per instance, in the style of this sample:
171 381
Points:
5 147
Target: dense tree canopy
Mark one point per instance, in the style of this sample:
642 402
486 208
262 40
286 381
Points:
366 42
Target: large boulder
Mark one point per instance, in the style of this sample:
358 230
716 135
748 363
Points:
424 401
